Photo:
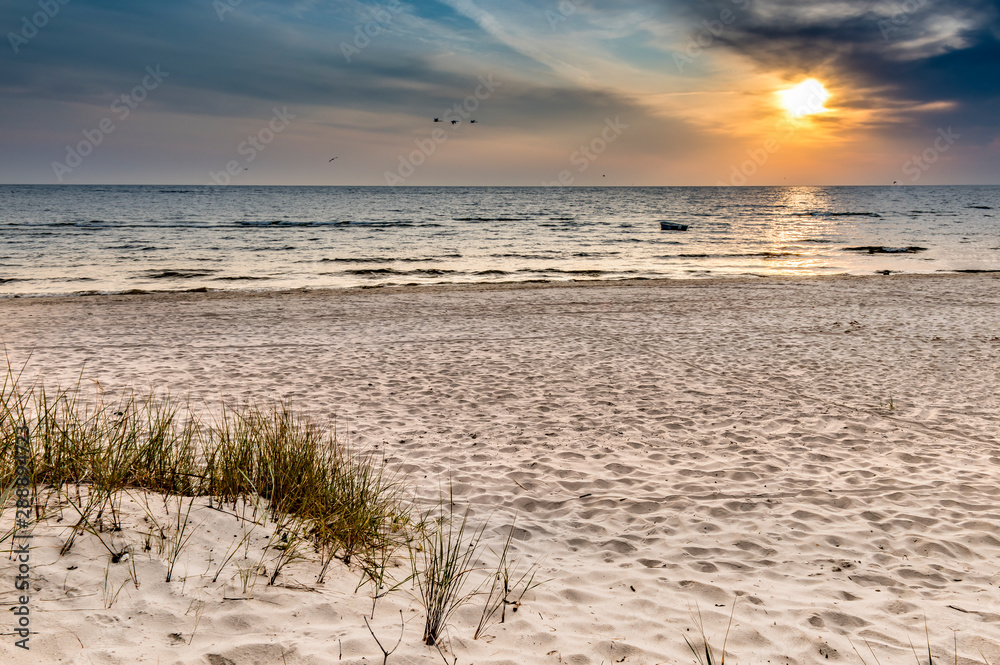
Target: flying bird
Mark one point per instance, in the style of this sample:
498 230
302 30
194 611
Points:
332 159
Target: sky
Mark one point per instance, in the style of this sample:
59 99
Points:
563 92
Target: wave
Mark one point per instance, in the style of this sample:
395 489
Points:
391 271
403 223
436 272
79 223
385 259
176 274
839 214
288 223
102 224
875 249
133 247
558 271
241 278
755 255
492 219
530 257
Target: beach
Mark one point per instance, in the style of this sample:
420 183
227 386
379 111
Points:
821 451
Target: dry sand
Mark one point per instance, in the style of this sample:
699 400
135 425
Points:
824 450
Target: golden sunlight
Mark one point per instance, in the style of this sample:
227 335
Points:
807 98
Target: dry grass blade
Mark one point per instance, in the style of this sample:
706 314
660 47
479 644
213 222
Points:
507 587
180 536
709 655
447 557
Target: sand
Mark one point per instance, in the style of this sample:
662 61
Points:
824 452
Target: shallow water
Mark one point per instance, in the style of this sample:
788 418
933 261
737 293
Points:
69 239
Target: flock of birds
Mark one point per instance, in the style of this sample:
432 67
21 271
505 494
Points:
454 122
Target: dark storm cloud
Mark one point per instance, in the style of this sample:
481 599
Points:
910 52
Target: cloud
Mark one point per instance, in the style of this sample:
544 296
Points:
913 53
894 71
490 25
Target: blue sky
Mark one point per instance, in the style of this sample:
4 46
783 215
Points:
690 85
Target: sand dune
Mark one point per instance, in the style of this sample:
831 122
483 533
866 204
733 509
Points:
822 451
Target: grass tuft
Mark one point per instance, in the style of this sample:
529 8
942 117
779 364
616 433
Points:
442 559
89 451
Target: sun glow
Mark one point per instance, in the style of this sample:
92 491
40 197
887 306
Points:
807 98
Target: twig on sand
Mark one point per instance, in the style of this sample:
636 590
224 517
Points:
385 653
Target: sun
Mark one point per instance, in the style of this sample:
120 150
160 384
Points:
807 98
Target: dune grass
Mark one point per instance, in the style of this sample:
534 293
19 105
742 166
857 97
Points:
442 561
87 450
508 584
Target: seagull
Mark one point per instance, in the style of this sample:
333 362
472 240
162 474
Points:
437 119
332 159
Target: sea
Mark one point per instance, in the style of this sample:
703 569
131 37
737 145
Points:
65 240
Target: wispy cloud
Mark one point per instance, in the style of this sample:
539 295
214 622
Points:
495 29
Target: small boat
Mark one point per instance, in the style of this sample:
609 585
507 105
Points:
670 226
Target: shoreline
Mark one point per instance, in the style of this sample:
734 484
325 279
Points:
635 282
